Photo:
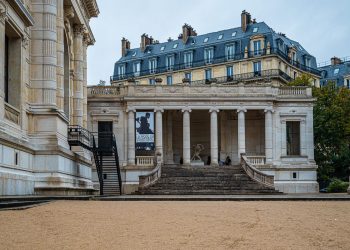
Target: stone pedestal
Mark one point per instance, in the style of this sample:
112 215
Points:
197 163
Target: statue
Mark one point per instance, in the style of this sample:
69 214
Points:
198 148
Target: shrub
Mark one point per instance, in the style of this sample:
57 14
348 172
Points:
337 186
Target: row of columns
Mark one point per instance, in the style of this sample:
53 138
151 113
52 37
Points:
214 149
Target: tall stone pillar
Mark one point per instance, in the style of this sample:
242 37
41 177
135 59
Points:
186 137
268 135
131 137
86 43
3 19
310 136
169 150
159 132
60 55
214 137
241 131
78 90
44 54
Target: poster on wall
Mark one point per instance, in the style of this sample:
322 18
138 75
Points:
144 131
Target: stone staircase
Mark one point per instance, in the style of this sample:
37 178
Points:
228 180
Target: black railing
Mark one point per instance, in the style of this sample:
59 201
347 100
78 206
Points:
218 60
235 79
100 144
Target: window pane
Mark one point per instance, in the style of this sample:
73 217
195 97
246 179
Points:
293 137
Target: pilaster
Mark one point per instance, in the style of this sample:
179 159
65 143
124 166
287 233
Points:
131 136
268 136
3 18
159 132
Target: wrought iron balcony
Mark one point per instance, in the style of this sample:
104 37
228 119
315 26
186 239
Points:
218 60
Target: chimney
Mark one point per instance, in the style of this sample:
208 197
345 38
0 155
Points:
187 31
246 19
145 41
125 46
335 61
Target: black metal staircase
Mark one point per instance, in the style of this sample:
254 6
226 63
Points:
104 149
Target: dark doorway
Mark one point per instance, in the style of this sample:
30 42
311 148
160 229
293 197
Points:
105 136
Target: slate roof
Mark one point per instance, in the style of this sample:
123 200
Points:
197 43
328 73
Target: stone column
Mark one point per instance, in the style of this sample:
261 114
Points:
186 137
159 132
214 137
60 55
268 135
241 132
78 97
131 137
3 19
86 43
310 136
170 153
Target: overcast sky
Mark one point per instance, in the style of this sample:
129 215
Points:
322 27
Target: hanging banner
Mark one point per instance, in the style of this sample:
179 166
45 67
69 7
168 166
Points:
144 131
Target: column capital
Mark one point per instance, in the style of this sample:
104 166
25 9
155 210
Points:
214 109
79 30
269 110
3 13
241 110
186 110
159 110
130 109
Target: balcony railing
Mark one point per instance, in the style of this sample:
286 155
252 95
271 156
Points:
218 60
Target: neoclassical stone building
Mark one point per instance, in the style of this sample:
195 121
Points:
43 89
224 90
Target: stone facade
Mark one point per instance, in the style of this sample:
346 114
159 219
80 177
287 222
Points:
43 89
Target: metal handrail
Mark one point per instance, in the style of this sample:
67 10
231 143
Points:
218 60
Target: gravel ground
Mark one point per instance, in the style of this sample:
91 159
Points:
178 225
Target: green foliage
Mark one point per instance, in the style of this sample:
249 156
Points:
332 132
303 80
337 186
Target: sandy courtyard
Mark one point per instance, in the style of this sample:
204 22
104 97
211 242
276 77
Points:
178 225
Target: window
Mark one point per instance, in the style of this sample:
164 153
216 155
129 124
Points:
257 48
230 51
134 54
229 71
209 55
169 80
152 81
336 71
162 48
294 57
188 59
257 68
208 75
234 34
121 71
348 83
206 39
169 63
220 37
188 76
255 30
307 62
152 65
175 46
293 137
137 68
294 75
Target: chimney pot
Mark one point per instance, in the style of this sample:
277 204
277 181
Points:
125 46
335 60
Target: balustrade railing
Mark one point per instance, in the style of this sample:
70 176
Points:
153 176
256 160
145 161
255 174
292 91
104 90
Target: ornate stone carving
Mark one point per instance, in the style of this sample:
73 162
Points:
25 42
3 13
79 30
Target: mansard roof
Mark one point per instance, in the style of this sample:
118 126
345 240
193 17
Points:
335 72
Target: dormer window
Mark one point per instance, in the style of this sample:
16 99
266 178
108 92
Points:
152 65
206 39
208 55
220 37
169 62
136 68
188 59
234 34
255 29
162 48
134 54
336 71
230 51
121 71
307 62
257 48
175 46
294 56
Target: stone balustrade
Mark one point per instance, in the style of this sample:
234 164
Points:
145 161
212 90
257 160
